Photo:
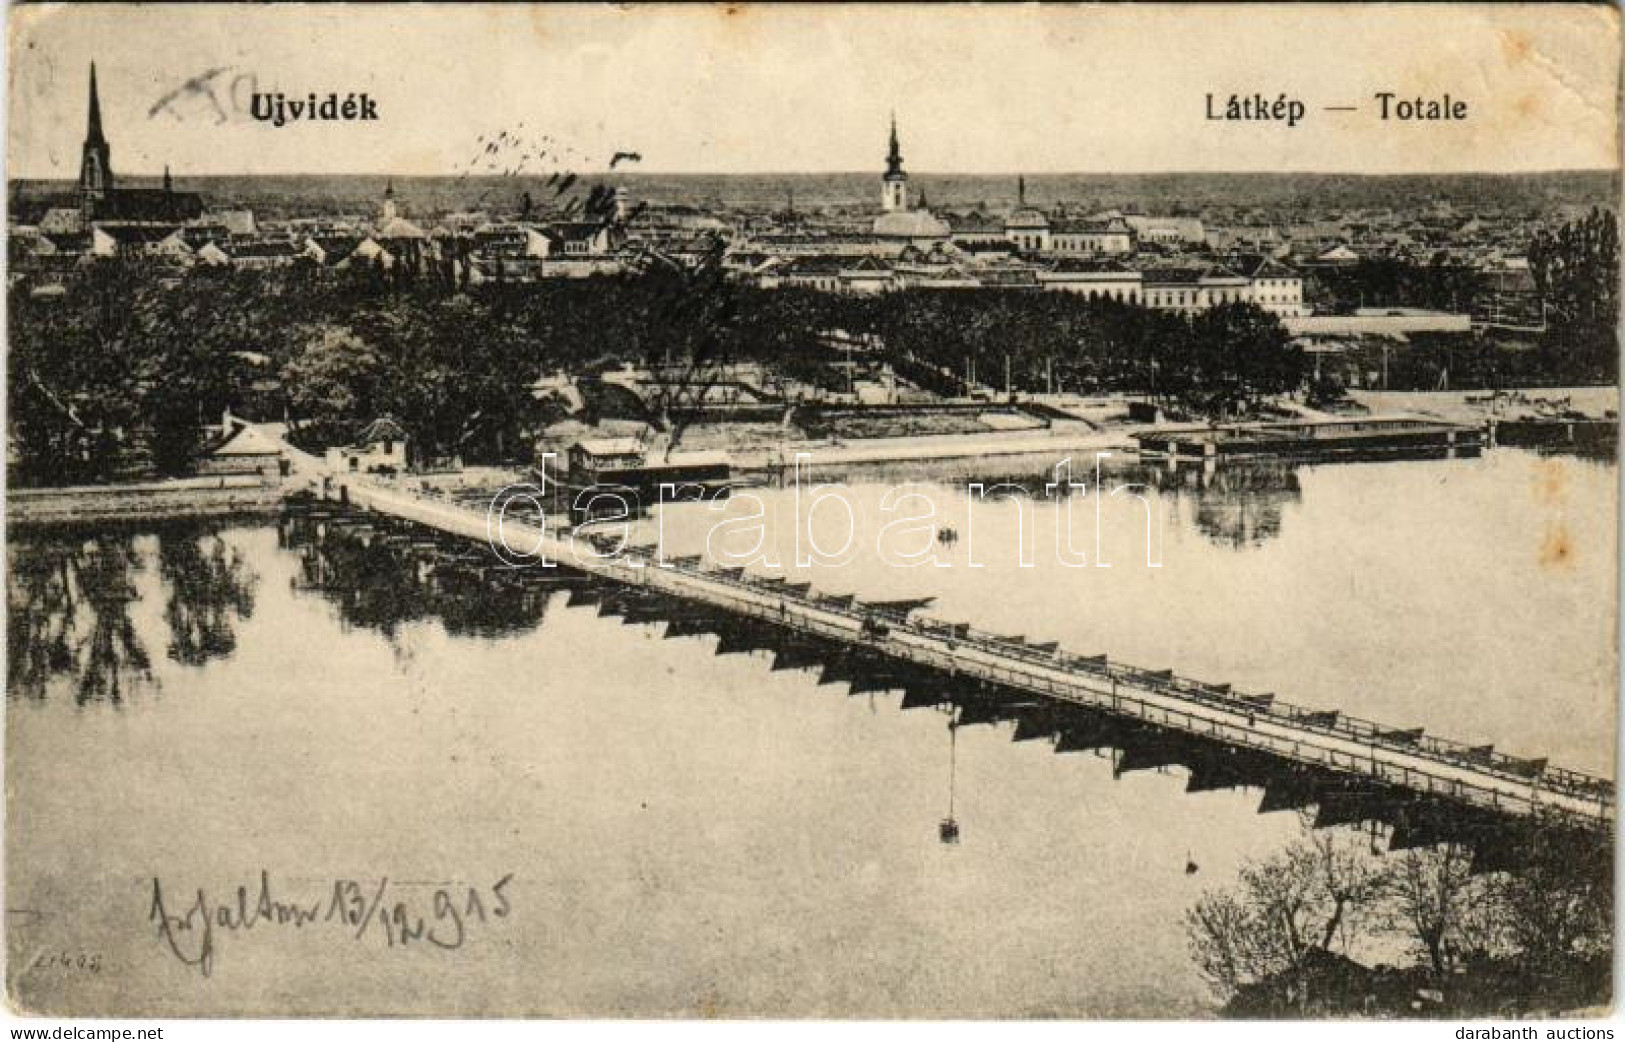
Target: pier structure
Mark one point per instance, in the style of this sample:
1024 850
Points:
1312 439
1424 789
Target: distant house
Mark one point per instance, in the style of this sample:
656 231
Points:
139 240
590 457
821 273
379 448
236 222
511 241
985 250
1173 289
912 225
867 275
399 229
367 251
1108 236
213 256
63 220
977 227
584 237
196 234
330 250
241 449
1029 229
1275 287
1168 231
624 463
1191 289
1338 255
260 256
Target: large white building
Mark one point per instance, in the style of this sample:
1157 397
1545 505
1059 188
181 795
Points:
1095 279
1248 280
1275 287
1107 236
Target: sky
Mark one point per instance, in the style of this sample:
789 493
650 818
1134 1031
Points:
746 89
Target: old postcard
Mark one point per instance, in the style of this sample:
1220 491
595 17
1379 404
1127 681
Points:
1100 512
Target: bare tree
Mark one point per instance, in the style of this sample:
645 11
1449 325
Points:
1350 880
1436 900
1317 895
685 334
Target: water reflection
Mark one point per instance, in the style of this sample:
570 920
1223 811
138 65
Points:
210 587
71 597
1237 505
381 576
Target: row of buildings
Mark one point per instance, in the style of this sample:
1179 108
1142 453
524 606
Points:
103 218
1180 263
1186 288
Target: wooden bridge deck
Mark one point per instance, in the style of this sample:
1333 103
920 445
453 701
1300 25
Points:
1405 759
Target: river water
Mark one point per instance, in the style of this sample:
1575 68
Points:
589 819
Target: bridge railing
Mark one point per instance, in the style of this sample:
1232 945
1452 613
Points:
1126 700
1535 773
1369 732
1166 682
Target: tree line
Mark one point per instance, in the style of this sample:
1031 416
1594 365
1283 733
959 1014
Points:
123 373
1285 938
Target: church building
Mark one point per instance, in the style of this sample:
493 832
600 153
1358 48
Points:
100 200
898 220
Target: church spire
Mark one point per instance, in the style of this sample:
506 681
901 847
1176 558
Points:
169 186
95 164
894 156
894 185
93 131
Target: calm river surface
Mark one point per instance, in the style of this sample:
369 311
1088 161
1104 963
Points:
625 824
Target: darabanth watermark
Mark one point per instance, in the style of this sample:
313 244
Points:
596 521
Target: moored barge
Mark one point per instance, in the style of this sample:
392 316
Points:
1314 439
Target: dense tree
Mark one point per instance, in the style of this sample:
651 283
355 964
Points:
1440 284
1238 354
132 360
1522 935
1576 274
1559 908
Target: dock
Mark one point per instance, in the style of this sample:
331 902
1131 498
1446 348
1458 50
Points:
1312 439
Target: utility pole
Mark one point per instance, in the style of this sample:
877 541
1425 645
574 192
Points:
1007 376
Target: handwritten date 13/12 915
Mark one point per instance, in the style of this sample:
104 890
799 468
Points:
399 914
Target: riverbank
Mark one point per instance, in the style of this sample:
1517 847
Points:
1330 985
1478 407
144 501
